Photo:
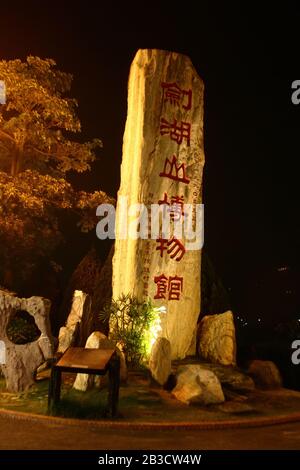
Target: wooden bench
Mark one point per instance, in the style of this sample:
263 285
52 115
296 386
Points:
86 361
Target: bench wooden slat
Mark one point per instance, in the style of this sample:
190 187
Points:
95 359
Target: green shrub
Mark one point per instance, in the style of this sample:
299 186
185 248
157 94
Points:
130 323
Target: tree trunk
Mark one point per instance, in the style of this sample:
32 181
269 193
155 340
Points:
13 166
16 161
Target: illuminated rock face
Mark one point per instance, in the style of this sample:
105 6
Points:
162 164
196 384
160 360
217 341
85 382
79 323
98 340
22 360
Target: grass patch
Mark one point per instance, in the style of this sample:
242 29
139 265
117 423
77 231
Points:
75 404
141 402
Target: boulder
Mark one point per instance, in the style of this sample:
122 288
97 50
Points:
217 341
98 340
231 377
160 360
23 360
265 374
79 323
196 385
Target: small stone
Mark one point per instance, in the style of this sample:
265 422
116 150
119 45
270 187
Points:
265 374
43 367
160 360
85 382
217 341
98 340
197 385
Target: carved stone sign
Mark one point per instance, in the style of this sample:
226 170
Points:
162 168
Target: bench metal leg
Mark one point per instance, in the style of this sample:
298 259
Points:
54 389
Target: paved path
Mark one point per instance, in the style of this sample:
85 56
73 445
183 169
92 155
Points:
25 434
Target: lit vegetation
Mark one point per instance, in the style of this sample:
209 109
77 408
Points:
130 321
38 126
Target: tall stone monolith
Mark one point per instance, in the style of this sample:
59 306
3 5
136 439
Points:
163 159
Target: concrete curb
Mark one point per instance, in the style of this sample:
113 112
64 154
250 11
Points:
163 426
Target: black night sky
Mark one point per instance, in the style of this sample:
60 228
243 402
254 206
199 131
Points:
248 59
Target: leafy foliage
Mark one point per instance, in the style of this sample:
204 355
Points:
35 116
36 151
131 320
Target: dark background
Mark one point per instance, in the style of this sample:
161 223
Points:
248 59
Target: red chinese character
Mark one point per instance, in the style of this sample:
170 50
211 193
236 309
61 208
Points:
164 200
176 96
174 248
174 171
175 208
161 286
163 245
177 132
171 287
175 286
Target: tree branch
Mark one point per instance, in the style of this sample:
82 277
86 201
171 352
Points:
7 136
46 154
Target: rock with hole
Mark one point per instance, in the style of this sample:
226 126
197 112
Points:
26 348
